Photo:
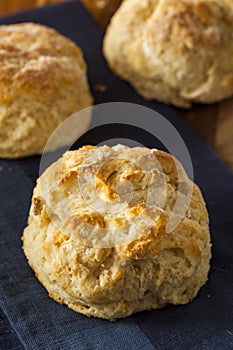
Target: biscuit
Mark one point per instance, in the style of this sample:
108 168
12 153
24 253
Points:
42 82
176 51
98 238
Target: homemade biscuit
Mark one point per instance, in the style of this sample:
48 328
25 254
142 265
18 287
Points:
113 231
176 51
42 82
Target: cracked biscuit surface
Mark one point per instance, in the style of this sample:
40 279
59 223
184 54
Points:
176 51
42 82
117 230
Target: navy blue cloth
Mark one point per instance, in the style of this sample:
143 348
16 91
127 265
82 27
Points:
30 319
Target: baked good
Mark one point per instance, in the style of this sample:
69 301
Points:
106 234
42 82
175 51
102 10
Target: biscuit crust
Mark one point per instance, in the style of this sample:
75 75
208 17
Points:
42 82
175 51
102 247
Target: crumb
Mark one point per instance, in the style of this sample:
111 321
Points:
101 4
1 168
229 332
100 87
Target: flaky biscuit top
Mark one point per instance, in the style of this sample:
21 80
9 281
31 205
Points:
107 197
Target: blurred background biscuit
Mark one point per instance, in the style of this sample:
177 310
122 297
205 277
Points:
43 81
175 51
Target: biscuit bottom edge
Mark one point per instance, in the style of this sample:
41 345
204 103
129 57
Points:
120 309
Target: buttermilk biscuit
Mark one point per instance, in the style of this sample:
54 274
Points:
176 51
42 82
113 231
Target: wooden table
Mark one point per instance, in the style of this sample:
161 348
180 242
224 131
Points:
213 123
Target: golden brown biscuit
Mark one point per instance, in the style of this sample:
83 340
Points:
42 82
98 235
176 51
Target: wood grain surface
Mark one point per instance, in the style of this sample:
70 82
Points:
213 123
12 6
